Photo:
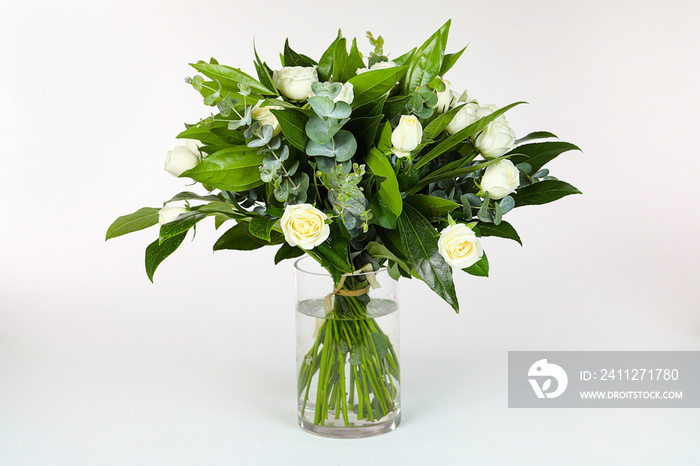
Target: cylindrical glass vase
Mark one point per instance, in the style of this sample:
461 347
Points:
347 341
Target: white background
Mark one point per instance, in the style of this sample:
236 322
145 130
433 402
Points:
100 367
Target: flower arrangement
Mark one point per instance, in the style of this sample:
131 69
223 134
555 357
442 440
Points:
361 163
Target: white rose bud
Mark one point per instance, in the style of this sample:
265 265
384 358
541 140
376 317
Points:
381 65
500 179
169 213
294 82
406 136
266 117
304 225
497 138
444 98
459 246
193 145
346 95
459 99
466 115
179 160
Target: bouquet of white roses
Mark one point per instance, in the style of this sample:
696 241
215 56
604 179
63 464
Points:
361 163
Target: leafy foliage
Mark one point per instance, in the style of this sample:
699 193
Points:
260 151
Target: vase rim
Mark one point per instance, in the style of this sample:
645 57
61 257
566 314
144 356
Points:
306 259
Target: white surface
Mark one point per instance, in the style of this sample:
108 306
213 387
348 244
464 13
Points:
98 366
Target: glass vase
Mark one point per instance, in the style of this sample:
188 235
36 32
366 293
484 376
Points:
347 342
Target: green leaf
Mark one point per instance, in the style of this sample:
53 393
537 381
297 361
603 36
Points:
231 169
372 84
142 218
480 268
438 125
394 105
449 61
419 241
287 252
325 252
365 130
406 58
543 192
230 77
379 251
325 64
460 136
371 108
293 124
539 153
263 72
260 227
389 192
384 144
381 214
157 252
238 239
431 207
536 135
201 133
355 61
340 60
180 225
188 196
427 61
502 230
446 175
291 58
381 344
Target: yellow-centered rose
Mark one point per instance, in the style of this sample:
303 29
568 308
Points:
304 225
459 246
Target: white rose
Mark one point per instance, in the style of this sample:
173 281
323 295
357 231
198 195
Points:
381 65
459 246
180 159
347 94
169 213
466 115
193 145
406 136
294 82
500 179
266 117
304 225
497 138
444 98
459 99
